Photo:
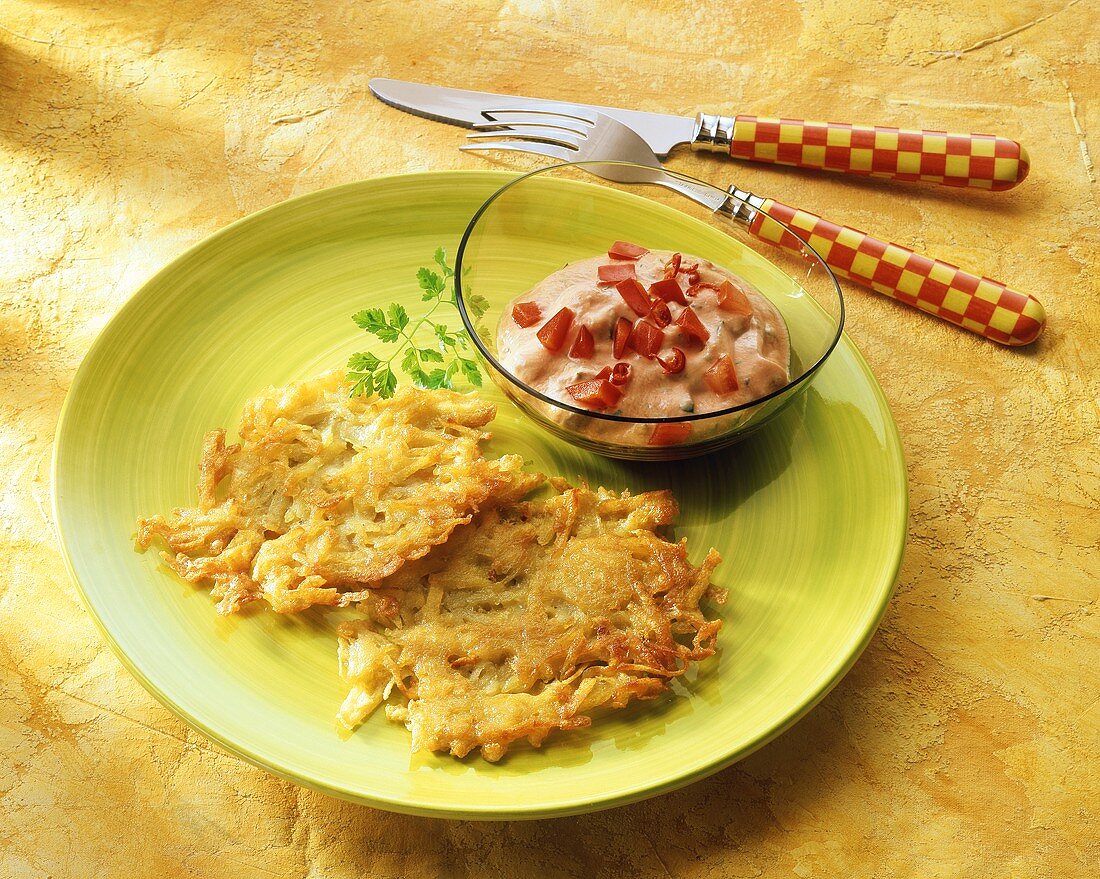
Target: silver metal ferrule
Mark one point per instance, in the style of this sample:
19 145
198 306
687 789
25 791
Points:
712 132
741 205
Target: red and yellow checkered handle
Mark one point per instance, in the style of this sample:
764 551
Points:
979 304
983 161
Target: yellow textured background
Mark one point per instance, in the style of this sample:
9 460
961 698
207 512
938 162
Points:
963 743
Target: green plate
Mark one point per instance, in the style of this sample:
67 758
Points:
809 515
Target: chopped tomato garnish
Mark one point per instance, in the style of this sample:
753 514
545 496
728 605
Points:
674 362
733 298
689 322
694 289
646 339
672 267
721 377
615 272
660 315
667 289
675 266
598 393
604 373
670 434
623 329
584 345
526 314
634 295
625 250
620 374
553 332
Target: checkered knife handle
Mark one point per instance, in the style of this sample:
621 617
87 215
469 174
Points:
984 161
979 304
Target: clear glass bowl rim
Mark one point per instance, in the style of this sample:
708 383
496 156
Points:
499 367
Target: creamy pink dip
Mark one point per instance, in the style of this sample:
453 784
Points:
757 344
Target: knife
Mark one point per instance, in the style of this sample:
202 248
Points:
982 161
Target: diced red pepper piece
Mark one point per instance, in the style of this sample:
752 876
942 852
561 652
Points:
623 329
615 272
721 377
672 267
526 314
597 393
625 250
646 339
660 315
553 332
634 295
584 345
732 298
667 289
670 434
689 322
674 362
620 374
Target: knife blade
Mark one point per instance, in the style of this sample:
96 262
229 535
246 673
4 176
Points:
982 161
465 108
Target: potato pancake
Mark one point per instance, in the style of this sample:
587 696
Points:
327 493
528 619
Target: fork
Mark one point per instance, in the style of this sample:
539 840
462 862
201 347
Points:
974 302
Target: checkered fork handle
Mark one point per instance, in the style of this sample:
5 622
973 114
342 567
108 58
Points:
984 161
978 304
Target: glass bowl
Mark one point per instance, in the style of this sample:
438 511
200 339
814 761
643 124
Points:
540 222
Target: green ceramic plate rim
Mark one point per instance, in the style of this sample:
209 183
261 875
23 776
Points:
535 810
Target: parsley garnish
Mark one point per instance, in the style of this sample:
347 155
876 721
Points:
374 374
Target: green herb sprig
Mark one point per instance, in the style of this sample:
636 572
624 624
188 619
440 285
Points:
372 373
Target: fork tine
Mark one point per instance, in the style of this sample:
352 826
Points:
579 130
514 146
561 139
541 111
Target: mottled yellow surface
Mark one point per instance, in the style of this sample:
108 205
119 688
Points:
964 742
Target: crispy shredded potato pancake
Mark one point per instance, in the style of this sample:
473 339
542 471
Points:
485 618
327 493
528 619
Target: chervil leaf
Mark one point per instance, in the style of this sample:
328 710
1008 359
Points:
409 363
398 316
362 382
445 337
373 320
430 355
478 305
471 372
363 362
435 379
385 383
430 282
441 261
370 319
